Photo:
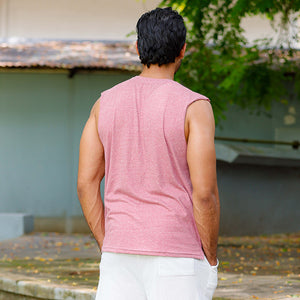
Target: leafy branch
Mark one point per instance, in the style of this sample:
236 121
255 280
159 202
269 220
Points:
222 64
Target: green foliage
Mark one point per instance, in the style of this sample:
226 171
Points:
221 64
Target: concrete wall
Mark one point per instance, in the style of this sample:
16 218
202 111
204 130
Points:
281 123
260 27
69 19
258 199
41 119
92 19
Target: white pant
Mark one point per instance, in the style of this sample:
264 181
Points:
147 277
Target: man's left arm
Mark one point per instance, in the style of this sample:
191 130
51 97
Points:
91 170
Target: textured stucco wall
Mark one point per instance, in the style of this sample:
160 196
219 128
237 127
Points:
93 19
41 119
258 199
281 123
69 19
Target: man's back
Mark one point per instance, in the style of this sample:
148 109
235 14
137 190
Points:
148 193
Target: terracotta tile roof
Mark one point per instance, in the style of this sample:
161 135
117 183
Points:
69 55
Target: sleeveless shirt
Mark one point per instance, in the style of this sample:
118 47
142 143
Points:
148 192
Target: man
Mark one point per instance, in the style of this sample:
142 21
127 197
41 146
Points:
153 139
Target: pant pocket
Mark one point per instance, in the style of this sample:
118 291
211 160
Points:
212 282
176 266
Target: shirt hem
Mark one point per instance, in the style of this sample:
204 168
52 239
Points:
153 253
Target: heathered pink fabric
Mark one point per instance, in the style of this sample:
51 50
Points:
148 191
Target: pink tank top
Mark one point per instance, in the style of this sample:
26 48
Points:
148 191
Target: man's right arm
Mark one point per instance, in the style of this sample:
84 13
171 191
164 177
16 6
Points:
201 158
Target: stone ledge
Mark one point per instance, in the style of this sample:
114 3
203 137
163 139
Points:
230 286
15 224
42 290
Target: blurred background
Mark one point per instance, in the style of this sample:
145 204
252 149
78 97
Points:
56 57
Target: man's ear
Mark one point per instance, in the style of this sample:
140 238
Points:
136 47
182 51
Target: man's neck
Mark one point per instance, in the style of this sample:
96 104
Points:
163 72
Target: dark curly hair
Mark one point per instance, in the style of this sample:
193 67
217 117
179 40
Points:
161 34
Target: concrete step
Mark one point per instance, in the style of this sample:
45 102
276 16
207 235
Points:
15 287
13 225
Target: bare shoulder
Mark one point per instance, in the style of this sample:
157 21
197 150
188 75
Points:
199 107
200 112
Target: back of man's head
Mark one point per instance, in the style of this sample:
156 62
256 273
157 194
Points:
161 35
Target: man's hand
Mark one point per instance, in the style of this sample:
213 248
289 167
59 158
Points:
91 171
213 261
201 157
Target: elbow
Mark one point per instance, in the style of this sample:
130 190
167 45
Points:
206 198
87 187
206 204
81 187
